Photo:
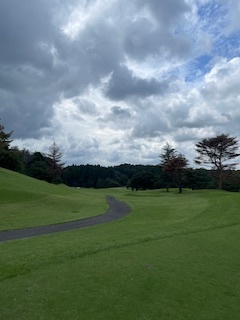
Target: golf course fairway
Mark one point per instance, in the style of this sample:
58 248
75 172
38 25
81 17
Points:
175 256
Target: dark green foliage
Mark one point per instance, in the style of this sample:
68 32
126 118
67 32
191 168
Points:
93 176
142 180
37 167
86 176
96 176
231 181
4 138
9 158
219 152
40 166
107 183
198 179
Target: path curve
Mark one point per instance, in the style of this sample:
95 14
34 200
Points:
117 209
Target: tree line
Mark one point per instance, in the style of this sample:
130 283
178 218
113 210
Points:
35 164
215 156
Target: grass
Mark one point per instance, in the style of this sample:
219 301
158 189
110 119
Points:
26 202
174 257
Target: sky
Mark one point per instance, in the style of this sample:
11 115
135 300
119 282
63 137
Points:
113 81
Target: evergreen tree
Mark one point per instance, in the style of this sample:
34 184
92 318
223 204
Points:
4 138
55 164
168 154
9 158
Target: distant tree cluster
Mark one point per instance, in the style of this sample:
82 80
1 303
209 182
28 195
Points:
35 164
217 154
142 180
96 176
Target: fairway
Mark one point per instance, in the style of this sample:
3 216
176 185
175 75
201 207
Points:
174 257
117 210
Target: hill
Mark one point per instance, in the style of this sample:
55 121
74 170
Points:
27 202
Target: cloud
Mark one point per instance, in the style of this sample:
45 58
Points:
85 106
155 31
234 11
123 84
27 72
168 12
112 81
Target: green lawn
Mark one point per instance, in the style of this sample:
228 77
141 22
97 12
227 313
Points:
27 202
174 257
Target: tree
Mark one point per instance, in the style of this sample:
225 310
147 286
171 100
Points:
37 167
219 152
232 181
142 180
55 164
9 157
177 166
168 153
198 179
4 138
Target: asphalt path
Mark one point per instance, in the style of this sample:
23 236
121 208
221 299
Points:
117 209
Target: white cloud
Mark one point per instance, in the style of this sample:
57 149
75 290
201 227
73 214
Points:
113 81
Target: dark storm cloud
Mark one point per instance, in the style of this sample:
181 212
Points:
38 63
86 106
117 118
158 33
25 26
141 44
150 124
124 84
167 12
88 58
120 112
26 65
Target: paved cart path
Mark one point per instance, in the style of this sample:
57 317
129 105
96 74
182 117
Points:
117 209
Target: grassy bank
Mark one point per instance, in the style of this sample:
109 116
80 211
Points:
27 202
174 257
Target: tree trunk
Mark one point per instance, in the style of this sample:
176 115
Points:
179 182
220 179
